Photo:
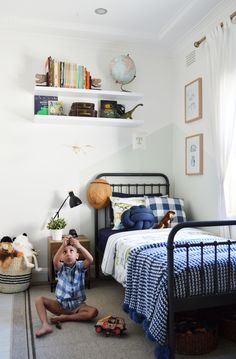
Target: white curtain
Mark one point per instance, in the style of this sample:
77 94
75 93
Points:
221 56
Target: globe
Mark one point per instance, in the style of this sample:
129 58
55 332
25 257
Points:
123 70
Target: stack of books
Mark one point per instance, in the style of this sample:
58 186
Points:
68 75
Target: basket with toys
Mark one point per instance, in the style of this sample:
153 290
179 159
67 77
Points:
195 336
16 265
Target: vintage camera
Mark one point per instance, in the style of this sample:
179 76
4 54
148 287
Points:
73 233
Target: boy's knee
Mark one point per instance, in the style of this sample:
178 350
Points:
39 299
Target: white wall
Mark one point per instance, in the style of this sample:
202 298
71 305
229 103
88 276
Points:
201 191
38 165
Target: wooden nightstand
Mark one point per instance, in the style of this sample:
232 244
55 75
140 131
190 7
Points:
53 247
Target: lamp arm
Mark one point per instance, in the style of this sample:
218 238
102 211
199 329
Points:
57 213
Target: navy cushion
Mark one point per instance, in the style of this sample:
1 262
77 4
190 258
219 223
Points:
138 217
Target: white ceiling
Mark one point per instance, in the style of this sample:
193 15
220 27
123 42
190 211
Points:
153 20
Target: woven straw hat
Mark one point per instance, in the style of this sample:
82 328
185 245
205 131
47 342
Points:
98 193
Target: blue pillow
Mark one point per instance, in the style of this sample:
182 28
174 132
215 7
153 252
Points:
138 217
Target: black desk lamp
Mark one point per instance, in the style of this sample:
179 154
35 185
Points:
73 202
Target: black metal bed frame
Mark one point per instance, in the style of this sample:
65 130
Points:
159 184
201 300
174 304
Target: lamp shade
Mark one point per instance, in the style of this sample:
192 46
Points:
74 201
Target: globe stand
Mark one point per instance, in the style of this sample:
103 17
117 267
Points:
121 87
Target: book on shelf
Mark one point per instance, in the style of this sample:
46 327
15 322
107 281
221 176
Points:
66 74
41 104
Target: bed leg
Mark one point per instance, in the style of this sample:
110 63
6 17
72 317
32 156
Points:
171 343
171 332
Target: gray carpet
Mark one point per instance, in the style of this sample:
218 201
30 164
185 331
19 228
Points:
79 340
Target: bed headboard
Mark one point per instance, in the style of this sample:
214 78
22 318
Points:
128 183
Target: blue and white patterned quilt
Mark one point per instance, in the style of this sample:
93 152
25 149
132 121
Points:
146 298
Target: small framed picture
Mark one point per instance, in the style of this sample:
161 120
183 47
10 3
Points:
193 100
108 109
194 155
56 108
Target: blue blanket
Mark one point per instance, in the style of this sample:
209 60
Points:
146 298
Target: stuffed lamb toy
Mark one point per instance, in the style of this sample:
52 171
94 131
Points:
22 244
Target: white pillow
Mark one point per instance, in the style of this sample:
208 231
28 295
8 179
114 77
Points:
119 205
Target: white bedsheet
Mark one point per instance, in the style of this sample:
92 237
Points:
119 245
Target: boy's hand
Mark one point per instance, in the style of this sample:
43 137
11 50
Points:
66 240
74 242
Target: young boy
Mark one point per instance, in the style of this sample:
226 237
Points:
70 293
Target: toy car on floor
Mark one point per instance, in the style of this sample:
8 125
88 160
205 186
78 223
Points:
111 325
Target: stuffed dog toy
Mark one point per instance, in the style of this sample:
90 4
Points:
22 244
7 253
164 223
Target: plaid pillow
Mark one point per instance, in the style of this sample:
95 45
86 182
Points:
161 205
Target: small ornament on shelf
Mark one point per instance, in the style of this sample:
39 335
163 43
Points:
96 84
40 80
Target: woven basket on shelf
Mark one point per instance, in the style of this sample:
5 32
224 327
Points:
198 342
15 278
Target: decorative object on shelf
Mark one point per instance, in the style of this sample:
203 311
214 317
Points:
98 193
193 100
73 202
108 109
41 104
120 110
56 108
194 155
96 84
83 109
129 113
123 70
41 79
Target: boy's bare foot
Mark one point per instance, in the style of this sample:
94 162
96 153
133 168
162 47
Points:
45 329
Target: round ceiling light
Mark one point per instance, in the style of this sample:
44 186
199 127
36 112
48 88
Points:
100 11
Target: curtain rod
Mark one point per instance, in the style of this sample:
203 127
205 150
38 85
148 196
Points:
198 43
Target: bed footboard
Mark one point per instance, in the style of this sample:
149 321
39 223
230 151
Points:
202 300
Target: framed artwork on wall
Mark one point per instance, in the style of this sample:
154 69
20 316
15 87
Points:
194 155
193 100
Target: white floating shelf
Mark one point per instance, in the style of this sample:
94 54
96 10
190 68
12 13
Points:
98 94
76 120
